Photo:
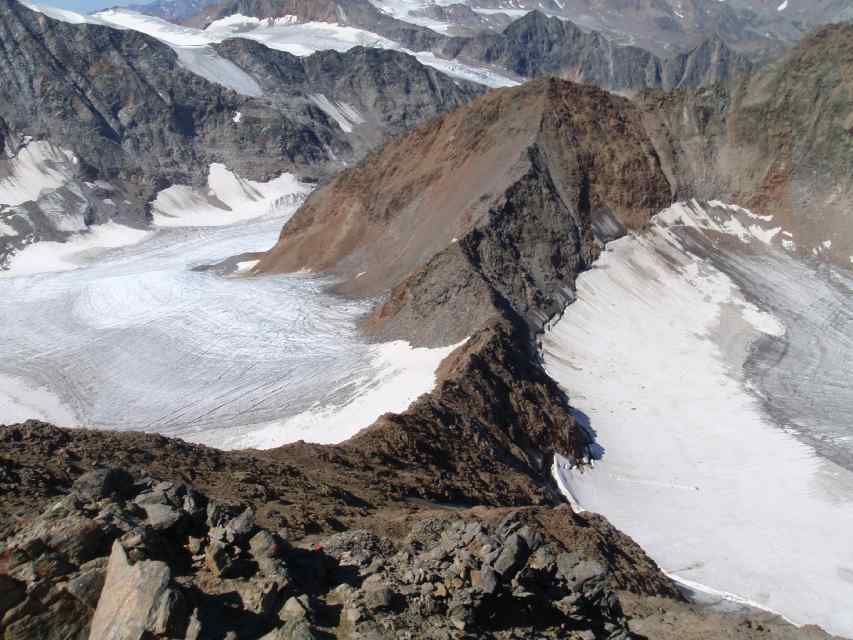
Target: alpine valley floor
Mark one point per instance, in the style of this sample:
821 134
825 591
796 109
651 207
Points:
713 366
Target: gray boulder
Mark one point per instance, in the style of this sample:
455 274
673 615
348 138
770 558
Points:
103 483
512 557
137 601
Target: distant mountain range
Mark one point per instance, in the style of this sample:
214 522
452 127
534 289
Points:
119 116
665 27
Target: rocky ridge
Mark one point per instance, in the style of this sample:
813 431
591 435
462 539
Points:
667 26
121 555
531 46
497 210
537 45
117 553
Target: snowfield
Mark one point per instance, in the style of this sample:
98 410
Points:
196 54
712 367
141 339
228 199
38 167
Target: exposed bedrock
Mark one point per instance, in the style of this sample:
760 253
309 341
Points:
488 212
118 555
124 117
779 141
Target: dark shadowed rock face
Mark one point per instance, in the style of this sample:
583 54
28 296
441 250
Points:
390 91
536 45
779 141
125 119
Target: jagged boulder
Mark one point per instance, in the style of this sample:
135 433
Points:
103 483
138 601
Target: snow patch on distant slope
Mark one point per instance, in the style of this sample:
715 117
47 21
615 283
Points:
38 167
59 14
283 35
736 221
205 62
237 23
192 46
228 199
346 116
46 257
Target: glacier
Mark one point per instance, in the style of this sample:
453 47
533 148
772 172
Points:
712 368
197 56
133 329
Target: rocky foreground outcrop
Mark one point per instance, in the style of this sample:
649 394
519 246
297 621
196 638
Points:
90 550
122 556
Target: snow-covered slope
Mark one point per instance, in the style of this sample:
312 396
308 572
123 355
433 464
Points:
672 355
37 168
41 197
304 39
138 339
228 199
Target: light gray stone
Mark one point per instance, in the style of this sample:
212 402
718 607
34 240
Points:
137 600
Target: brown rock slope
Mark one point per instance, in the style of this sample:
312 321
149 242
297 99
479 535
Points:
489 210
779 141
477 223
127 535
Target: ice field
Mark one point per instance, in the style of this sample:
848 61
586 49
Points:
714 371
195 53
132 337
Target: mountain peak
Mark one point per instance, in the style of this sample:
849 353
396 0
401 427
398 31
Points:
547 158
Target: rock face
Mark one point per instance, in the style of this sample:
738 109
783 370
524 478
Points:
409 571
463 573
779 141
386 92
529 47
536 45
494 205
115 117
662 26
